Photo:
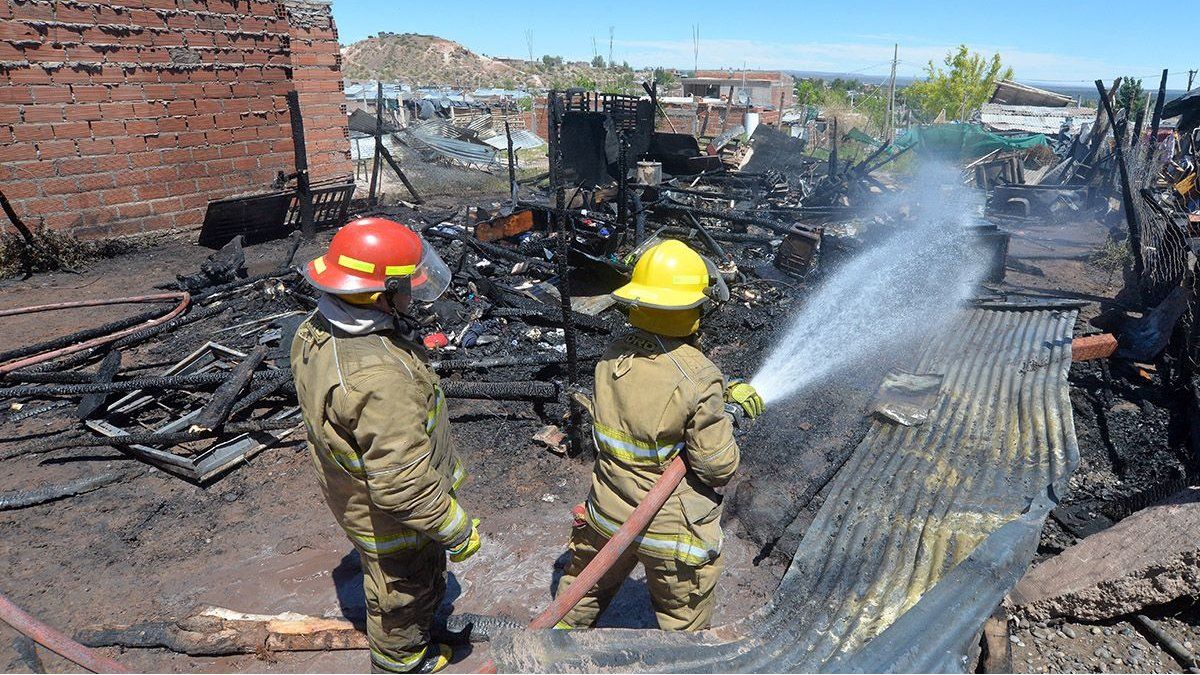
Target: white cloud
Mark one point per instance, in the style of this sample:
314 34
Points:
853 57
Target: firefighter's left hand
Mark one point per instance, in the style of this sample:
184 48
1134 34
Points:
469 545
739 392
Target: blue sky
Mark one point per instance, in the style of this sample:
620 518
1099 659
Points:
1064 42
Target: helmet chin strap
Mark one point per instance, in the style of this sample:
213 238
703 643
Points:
404 323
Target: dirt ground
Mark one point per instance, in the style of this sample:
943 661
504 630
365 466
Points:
260 539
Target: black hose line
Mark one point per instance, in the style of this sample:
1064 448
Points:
505 361
169 382
522 307
521 391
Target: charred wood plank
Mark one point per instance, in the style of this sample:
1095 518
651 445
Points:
215 412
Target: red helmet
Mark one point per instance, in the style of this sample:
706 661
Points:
367 252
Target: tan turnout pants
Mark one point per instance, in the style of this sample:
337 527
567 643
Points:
682 595
403 591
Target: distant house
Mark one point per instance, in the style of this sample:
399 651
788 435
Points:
759 88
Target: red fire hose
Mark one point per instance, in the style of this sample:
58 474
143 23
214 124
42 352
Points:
182 297
604 560
621 539
55 641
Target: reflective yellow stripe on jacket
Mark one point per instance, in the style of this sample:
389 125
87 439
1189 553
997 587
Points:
625 448
390 543
439 402
683 547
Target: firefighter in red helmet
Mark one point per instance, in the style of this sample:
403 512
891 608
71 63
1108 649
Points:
379 433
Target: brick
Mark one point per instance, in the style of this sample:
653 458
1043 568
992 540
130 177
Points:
129 144
141 127
24 170
57 187
151 191
56 149
160 92
23 189
97 181
115 111
83 199
71 130
146 159
112 163
24 133
108 128
95 146
118 196
75 166
10 114
170 124
181 107
43 113
87 93
51 94
82 111
16 94
52 204
126 94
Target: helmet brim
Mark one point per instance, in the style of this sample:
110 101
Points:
640 295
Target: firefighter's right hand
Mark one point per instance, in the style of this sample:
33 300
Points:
469 546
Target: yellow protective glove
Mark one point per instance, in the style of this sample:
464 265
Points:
469 546
739 392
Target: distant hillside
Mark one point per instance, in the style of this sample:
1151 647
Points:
430 60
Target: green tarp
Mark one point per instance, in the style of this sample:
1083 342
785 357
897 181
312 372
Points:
963 140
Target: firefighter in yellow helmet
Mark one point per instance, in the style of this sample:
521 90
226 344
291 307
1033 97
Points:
657 396
379 435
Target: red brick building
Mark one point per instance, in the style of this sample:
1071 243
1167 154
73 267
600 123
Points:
124 118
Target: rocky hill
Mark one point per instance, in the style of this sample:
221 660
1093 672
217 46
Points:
430 60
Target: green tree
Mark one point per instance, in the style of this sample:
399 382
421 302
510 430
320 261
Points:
665 79
1131 96
552 61
809 92
597 61
965 84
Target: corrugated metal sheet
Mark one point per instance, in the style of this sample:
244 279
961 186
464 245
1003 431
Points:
921 534
465 152
522 139
1034 119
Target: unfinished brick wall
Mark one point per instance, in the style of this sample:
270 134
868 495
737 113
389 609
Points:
119 118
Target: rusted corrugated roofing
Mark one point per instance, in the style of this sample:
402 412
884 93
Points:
921 534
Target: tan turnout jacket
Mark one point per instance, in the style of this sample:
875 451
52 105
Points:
379 436
656 397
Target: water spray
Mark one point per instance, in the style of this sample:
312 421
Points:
894 294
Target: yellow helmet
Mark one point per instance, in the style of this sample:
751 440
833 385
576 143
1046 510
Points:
667 290
669 275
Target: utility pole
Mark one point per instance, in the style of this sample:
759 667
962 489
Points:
891 104
695 49
529 42
610 45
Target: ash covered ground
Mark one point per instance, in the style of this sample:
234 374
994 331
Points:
260 539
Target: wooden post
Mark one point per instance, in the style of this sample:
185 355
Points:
303 190
371 196
1127 197
1157 118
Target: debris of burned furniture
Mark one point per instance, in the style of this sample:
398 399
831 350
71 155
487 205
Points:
273 215
680 154
1039 201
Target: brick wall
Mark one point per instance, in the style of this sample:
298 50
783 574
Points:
125 118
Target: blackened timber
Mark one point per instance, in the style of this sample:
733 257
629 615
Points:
563 228
30 243
371 199
1127 198
512 166
1156 119
708 240
215 412
733 217
105 373
300 154
387 155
